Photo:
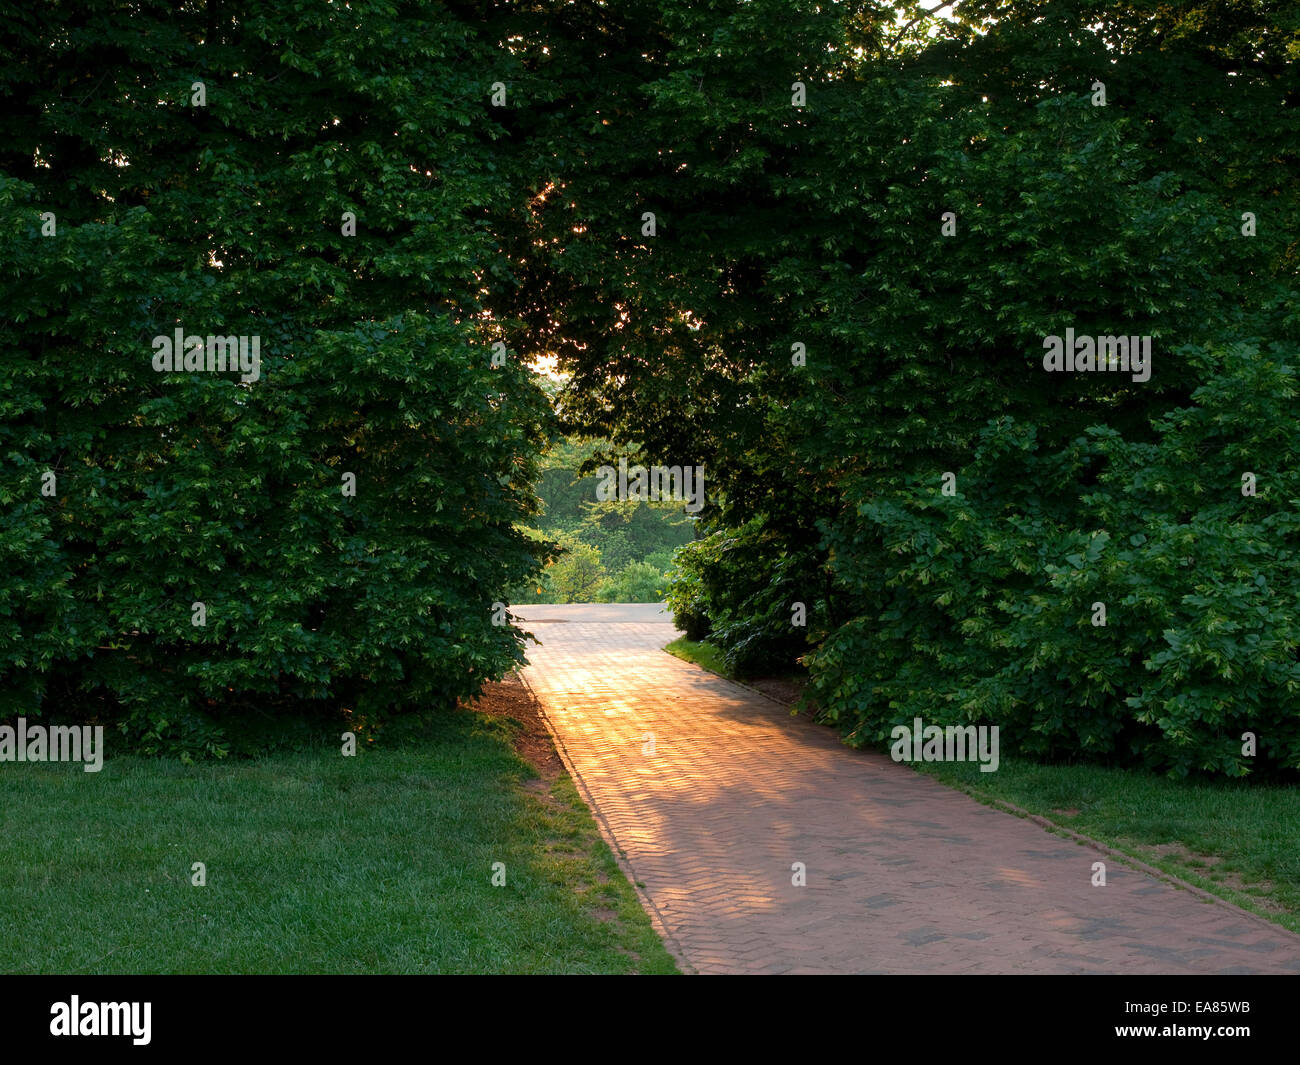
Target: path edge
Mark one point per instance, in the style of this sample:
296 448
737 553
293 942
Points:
647 904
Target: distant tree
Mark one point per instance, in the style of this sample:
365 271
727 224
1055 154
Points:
577 573
637 582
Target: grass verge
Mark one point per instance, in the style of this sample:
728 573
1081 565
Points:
701 652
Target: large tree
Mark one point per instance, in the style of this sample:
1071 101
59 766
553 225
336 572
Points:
942 196
322 178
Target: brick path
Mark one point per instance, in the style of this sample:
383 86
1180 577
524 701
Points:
903 874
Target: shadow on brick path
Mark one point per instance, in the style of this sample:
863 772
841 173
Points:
713 793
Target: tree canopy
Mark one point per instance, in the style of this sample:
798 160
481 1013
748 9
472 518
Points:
819 249
866 231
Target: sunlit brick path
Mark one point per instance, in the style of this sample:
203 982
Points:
903 875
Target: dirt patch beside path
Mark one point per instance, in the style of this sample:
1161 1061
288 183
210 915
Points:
510 699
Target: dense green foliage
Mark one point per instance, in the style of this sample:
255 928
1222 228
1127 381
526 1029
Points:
814 248
822 225
173 489
748 610
982 605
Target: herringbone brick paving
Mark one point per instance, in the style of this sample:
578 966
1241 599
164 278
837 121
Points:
903 874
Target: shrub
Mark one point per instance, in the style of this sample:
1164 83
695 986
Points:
686 592
982 606
738 589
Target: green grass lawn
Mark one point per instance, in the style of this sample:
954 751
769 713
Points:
1237 840
316 863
